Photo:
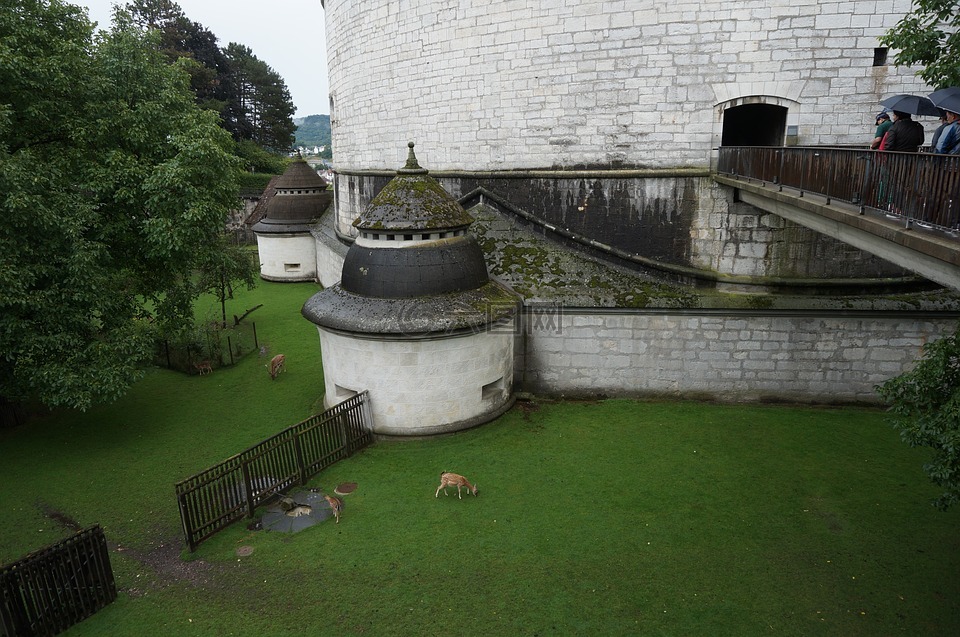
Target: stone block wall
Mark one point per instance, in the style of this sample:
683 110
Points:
825 358
688 221
615 83
422 385
287 257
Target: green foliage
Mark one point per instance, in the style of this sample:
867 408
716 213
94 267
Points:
930 36
263 99
115 187
255 182
257 159
252 99
224 266
925 403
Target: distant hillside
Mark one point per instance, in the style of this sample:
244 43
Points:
313 130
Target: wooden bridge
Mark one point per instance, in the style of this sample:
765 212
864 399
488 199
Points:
902 207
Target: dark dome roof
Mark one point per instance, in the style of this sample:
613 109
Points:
449 265
300 196
413 201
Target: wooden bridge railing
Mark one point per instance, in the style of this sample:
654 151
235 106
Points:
920 188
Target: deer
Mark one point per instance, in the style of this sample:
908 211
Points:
448 479
336 505
276 365
204 367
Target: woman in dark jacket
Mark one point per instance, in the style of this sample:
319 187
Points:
905 135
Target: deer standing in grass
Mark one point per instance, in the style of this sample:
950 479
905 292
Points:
448 479
204 367
276 365
336 504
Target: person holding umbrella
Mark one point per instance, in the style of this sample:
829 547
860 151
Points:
948 100
883 125
949 141
905 136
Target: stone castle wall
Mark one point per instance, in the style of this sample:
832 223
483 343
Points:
821 357
505 85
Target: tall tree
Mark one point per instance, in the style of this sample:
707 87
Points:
182 39
115 186
925 404
929 36
264 99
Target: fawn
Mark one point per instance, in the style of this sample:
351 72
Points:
276 365
336 504
454 480
204 367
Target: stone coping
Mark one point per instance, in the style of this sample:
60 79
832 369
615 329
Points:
431 316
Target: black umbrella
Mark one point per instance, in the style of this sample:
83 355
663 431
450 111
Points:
913 104
947 98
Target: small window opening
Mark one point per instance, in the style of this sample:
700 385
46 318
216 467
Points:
291 267
880 56
408 237
492 391
343 393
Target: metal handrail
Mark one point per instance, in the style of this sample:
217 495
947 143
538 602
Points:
916 188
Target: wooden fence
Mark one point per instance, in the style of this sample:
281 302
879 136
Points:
54 588
213 499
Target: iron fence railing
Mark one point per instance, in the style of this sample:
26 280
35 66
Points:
54 588
920 188
212 500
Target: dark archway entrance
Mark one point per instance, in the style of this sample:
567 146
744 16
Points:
754 125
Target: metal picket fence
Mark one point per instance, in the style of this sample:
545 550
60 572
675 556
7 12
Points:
213 499
50 590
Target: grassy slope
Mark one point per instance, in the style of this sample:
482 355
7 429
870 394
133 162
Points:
609 518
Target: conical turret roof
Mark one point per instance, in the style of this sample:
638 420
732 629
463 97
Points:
299 174
300 197
413 201
414 268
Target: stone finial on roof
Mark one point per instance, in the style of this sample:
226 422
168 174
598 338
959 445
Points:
412 167
412 201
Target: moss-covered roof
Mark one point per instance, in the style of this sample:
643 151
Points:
413 201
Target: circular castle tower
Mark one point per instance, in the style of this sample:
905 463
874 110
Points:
416 319
288 251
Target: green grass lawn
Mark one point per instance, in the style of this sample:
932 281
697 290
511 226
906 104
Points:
607 518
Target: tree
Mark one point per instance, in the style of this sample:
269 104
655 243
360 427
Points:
114 189
930 36
226 266
925 403
182 40
264 99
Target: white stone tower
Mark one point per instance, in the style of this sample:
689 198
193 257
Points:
288 251
416 319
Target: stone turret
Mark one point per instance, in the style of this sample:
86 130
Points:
416 319
286 247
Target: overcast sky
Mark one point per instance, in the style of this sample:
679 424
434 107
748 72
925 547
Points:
286 34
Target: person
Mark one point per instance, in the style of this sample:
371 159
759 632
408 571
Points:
938 131
949 140
883 125
905 136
